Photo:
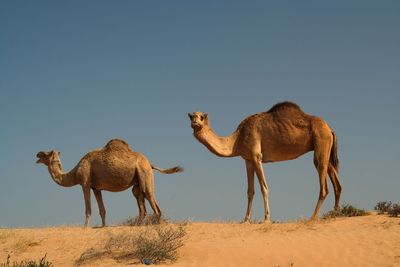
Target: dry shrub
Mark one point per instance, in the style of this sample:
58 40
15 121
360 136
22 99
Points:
151 219
394 211
159 245
345 211
154 244
383 207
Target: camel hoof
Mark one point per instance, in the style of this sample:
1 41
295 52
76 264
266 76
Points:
246 221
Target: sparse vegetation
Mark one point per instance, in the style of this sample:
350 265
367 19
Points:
154 244
42 263
394 210
346 210
161 245
151 219
383 207
387 207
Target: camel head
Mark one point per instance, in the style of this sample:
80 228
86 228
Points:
198 120
49 158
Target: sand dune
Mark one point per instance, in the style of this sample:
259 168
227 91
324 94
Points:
359 241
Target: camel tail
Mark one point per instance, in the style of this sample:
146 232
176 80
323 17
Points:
168 171
334 157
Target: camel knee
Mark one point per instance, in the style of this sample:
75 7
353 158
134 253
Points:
323 193
264 191
339 188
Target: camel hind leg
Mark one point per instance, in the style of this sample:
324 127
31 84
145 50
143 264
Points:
153 203
336 184
147 177
100 204
321 162
138 194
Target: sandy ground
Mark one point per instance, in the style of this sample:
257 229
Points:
359 241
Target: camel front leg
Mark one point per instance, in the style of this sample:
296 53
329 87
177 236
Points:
263 185
88 210
100 204
250 189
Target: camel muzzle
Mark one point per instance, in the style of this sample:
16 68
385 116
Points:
40 156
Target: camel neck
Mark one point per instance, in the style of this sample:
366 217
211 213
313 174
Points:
64 179
220 146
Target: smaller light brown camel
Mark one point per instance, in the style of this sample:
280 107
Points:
282 133
115 168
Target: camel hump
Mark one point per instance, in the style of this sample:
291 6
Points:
284 107
116 143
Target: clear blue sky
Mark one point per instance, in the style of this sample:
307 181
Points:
74 74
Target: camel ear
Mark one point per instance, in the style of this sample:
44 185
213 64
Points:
190 115
205 116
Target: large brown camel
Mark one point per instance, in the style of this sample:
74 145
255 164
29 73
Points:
115 168
284 132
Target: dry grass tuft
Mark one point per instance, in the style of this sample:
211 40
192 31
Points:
42 263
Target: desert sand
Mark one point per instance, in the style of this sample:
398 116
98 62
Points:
372 240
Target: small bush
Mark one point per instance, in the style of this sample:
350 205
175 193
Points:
345 211
159 246
383 207
42 263
151 245
151 219
394 210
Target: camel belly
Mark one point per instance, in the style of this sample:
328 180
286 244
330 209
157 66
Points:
112 175
113 181
281 152
112 184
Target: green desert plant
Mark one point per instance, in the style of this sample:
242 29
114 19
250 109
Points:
31 263
383 207
346 210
